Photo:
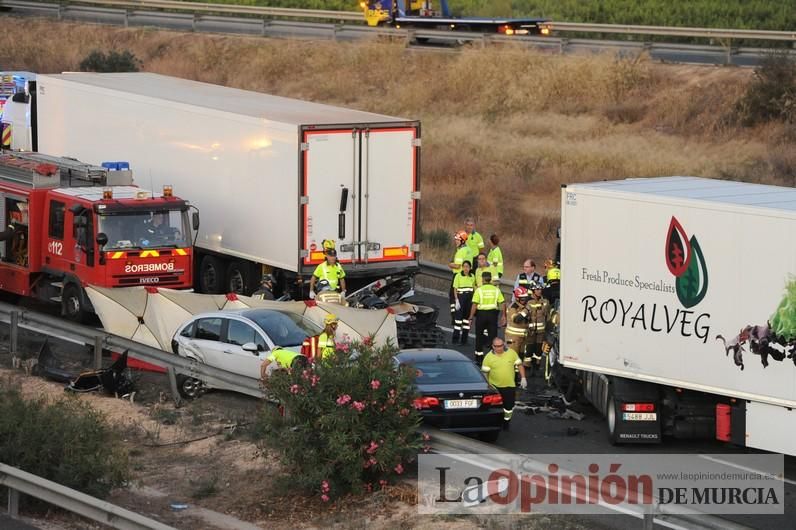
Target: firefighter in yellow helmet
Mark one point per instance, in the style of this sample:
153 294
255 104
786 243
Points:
330 270
552 289
326 343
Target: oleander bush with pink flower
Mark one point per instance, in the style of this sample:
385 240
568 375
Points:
345 424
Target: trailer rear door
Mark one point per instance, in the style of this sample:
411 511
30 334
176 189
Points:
360 190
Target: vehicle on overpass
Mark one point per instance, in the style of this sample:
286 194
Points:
678 308
422 15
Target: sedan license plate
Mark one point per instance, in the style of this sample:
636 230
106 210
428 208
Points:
461 403
639 416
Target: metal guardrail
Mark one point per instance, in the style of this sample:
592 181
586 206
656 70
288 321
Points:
348 16
174 364
18 481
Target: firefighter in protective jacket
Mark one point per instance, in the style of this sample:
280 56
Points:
538 315
517 321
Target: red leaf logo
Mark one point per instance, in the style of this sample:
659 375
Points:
678 249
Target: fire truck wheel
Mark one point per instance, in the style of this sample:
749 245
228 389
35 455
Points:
188 387
211 275
239 278
72 304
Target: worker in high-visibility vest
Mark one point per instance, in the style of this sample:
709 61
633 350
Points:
488 310
499 366
283 359
495 256
326 342
483 267
331 271
462 254
474 240
463 287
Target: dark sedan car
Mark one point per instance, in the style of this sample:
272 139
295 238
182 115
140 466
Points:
454 394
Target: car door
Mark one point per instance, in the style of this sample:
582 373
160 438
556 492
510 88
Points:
240 332
205 344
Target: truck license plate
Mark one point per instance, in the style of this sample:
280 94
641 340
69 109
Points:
639 416
461 403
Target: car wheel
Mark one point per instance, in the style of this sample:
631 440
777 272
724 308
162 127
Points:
189 387
489 436
211 275
238 277
72 304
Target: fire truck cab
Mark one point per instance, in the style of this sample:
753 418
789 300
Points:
69 224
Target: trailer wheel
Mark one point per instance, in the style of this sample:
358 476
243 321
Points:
239 278
612 419
211 275
72 304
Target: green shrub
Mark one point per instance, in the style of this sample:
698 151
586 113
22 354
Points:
438 238
113 61
772 93
349 425
65 441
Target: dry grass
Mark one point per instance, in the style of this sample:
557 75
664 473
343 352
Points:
503 129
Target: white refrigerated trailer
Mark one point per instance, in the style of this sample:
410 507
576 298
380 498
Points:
678 307
273 177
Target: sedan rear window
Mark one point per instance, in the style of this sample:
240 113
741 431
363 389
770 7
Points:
447 372
284 329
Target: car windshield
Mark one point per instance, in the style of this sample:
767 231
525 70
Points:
137 229
446 372
284 329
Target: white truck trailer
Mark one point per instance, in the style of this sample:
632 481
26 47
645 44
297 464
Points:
678 308
273 177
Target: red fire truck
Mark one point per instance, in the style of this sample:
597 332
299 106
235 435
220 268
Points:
69 224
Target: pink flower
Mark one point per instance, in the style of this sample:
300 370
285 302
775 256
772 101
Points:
305 374
343 400
294 389
375 384
426 437
369 487
372 448
382 483
426 448
391 393
325 498
325 486
314 380
358 405
399 469
404 412
368 341
342 346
